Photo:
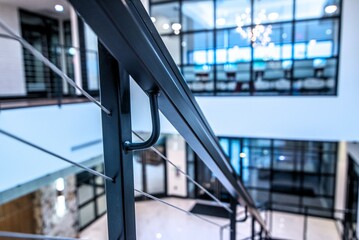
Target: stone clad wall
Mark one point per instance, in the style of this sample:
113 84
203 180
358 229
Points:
48 221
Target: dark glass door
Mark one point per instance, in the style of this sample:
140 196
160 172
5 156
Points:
352 199
43 34
150 170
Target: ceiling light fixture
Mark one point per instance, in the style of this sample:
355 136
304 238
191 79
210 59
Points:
165 26
260 34
328 31
242 155
176 26
59 8
60 184
330 9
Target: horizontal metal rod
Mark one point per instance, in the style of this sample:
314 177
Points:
36 53
56 155
32 236
178 208
187 176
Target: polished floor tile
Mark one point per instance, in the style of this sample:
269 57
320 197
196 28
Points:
155 220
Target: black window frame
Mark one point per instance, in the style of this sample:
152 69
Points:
326 90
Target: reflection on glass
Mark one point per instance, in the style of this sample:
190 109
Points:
316 38
164 16
272 11
259 197
85 193
318 185
137 172
225 145
256 178
101 205
87 214
231 13
155 171
197 48
280 46
235 151
197 15
268 39
232 47
173 45
321 8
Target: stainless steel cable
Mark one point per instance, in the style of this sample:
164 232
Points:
56 155
32 236
49 64
178 208
186 175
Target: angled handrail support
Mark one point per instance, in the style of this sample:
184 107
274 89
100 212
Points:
156 126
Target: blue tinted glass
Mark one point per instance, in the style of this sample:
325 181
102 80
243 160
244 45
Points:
225 145
235 155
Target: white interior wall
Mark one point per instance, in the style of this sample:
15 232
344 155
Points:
341 178
12 80
55 129
176 152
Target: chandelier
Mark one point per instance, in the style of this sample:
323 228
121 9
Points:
260 34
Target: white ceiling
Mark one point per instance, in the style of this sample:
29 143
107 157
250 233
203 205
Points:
44 7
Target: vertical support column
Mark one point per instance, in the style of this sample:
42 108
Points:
305 226
233 218
115 95
253 228
76 44
341 179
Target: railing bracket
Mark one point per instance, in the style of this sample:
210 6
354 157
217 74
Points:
156 129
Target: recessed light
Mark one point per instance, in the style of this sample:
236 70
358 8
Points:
72 51
60 184
59 8
153 19
176 26
242 155
328 31
330 9
281 158
165 26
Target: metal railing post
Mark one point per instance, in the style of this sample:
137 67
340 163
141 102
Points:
233 218
253 228
305 228
115 95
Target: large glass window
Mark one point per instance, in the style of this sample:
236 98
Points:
165 17
253 47
197 15
321 8
272 11
232 13
91 197
291 175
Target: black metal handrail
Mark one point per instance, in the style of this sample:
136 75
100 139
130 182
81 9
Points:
128 33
